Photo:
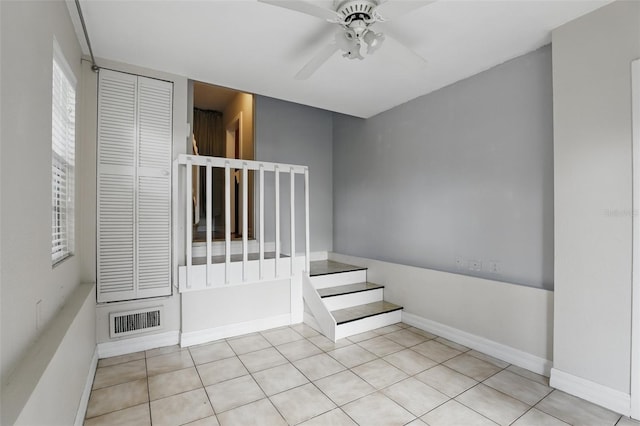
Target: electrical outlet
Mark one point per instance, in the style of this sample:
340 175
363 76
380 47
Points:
475 265
460 263
494 267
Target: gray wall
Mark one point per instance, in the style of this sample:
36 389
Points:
465 172
593 189
296 134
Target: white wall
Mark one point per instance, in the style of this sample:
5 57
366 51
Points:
88 190
593 195
27 32
514 323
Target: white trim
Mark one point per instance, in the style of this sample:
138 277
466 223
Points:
137 344
497 350
635 292
319 255
231 330
604 396
84 399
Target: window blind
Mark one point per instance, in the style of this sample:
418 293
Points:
63 125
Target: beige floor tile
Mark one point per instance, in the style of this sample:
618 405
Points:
174 382
381 346
302 403
262 359
207 421
445 380
535 417
576 411
299 349
492 404
211 352
328 345
379 373
318 366
304 330
335 417
377 409
410 361
519 387
118 397
363 336
169 362
454 345
162 351
422 332
250 343
417 422
495 361
344 387
436 350
282 335
453 413
219 371
278 379
388 329
352 355
233 393
406 338
119 373
133 416
626 421
106 362
415 396
180 409
529 374
259 413
473 367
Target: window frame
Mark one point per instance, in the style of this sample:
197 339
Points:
63 144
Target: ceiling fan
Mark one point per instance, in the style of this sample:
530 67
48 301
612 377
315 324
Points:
355 18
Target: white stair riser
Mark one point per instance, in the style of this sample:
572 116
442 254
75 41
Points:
342 301
333 280
367 324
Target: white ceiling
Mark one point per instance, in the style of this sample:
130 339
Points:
258 48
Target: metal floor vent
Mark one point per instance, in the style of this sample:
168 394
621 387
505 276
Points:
134 322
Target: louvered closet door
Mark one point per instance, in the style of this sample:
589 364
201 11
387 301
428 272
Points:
134 186
116 192
154 187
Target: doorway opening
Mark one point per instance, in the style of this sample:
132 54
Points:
222 126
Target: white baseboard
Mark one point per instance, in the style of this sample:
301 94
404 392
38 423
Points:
86 392
318 255
136 344
604 396
209 335
497 350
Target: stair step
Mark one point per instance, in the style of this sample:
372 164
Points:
326 267
354 313
348 289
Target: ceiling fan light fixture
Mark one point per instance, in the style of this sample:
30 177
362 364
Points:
373 41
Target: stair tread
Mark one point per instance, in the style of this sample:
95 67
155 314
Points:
363 311
326 267
348 289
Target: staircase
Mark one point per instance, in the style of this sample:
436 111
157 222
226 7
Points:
340 302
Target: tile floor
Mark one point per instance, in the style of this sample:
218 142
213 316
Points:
396 375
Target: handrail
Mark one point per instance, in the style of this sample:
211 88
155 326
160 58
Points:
244 166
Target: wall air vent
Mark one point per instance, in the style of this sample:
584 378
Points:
134 322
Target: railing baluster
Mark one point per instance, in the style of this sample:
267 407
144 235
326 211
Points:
227 221
292 219
307 249
209 222
189 221
277 188
261 224
245 221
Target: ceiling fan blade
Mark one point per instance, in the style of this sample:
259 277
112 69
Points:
304 7
316 62
392 9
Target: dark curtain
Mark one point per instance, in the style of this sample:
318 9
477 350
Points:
209 133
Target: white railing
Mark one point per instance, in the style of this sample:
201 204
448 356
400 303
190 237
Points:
275 271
